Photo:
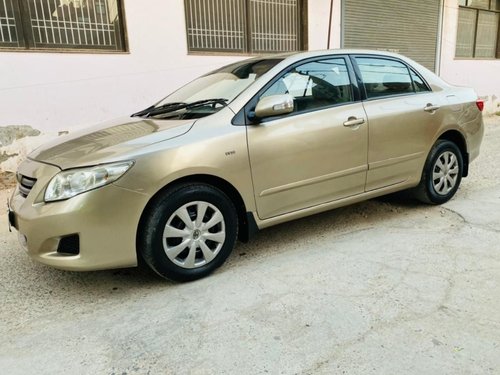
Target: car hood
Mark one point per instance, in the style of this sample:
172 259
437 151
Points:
108 142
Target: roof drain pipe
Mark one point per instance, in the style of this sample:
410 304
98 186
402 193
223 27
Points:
330 25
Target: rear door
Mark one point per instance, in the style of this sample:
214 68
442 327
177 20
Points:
316 154
403 115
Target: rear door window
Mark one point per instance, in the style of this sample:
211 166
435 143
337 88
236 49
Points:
384 77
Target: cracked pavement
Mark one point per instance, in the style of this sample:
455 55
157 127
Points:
387 286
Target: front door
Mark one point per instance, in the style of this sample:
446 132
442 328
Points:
316 154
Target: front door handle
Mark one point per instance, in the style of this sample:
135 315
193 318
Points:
431 108
353 121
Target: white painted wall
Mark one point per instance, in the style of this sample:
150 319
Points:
62 91
482 75
318 20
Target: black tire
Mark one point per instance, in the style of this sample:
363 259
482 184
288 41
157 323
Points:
151 243
426 191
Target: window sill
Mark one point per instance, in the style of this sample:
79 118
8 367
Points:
476 59
64 50
237 54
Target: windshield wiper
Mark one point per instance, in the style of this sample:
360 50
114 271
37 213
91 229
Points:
203 102
171 107
153 108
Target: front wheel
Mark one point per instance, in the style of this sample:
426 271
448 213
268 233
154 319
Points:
442 173
188 232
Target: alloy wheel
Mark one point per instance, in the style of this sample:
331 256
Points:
194 234
445 173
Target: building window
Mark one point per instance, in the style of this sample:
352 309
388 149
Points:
478 29
245 26
62 24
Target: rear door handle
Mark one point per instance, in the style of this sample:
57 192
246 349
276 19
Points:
353 121
431 108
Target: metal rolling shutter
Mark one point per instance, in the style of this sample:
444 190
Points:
406 27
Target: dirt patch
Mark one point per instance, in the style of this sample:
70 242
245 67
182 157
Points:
9 134
4 156
7 180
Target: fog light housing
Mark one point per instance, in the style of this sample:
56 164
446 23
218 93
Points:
69 245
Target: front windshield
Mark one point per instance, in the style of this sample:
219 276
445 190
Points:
211 92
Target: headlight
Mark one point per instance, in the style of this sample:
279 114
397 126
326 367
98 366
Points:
67 184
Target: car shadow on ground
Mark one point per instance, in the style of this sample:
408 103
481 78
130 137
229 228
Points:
337 222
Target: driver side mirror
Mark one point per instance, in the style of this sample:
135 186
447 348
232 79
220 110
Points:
274 105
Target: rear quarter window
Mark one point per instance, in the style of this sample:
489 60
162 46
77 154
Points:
418 84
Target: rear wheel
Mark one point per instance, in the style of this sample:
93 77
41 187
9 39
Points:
188 232
442 173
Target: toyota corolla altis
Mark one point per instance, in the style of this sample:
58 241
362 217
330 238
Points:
253 144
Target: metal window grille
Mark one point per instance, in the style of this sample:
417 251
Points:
243 25
8 24
487 30
478 30
274 25
465 33
74 24
216 25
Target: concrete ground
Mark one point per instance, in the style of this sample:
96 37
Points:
388 286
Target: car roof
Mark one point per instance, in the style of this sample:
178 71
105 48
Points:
336 51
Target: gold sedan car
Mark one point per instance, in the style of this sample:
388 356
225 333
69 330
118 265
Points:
247 146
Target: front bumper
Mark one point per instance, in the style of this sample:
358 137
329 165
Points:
105 220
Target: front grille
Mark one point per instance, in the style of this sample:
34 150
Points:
25 185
